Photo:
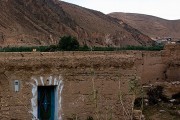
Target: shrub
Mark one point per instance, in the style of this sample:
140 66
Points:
84 48
68 43
176 96
51 48
138 102
155 95
24 49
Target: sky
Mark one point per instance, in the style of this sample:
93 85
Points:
167 9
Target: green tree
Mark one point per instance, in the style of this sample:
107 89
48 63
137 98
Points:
68 43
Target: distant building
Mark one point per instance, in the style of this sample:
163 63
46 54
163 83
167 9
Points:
166 40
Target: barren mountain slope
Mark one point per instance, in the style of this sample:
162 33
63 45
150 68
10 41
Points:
42 22
32 22
104 29
150 25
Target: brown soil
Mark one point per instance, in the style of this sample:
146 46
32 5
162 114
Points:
42 22
152 26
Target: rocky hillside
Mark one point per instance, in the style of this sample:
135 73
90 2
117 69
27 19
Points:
152 26
42 22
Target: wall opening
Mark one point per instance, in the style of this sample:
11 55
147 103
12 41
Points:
47 102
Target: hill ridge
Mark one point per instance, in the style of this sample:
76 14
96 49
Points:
42 22
152 26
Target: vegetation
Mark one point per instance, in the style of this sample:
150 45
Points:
24 49
144 48
156 95
162 111
158 106
68 43
53 48
138 103
177 97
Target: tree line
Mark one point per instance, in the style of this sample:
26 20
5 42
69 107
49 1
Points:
69 43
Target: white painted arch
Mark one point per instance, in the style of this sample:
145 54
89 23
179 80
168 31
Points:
51 80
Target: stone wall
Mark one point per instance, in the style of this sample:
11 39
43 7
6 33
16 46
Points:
89 84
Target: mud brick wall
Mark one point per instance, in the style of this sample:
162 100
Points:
89 84
159 66
171 57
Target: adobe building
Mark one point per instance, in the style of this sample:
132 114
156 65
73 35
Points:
79 85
